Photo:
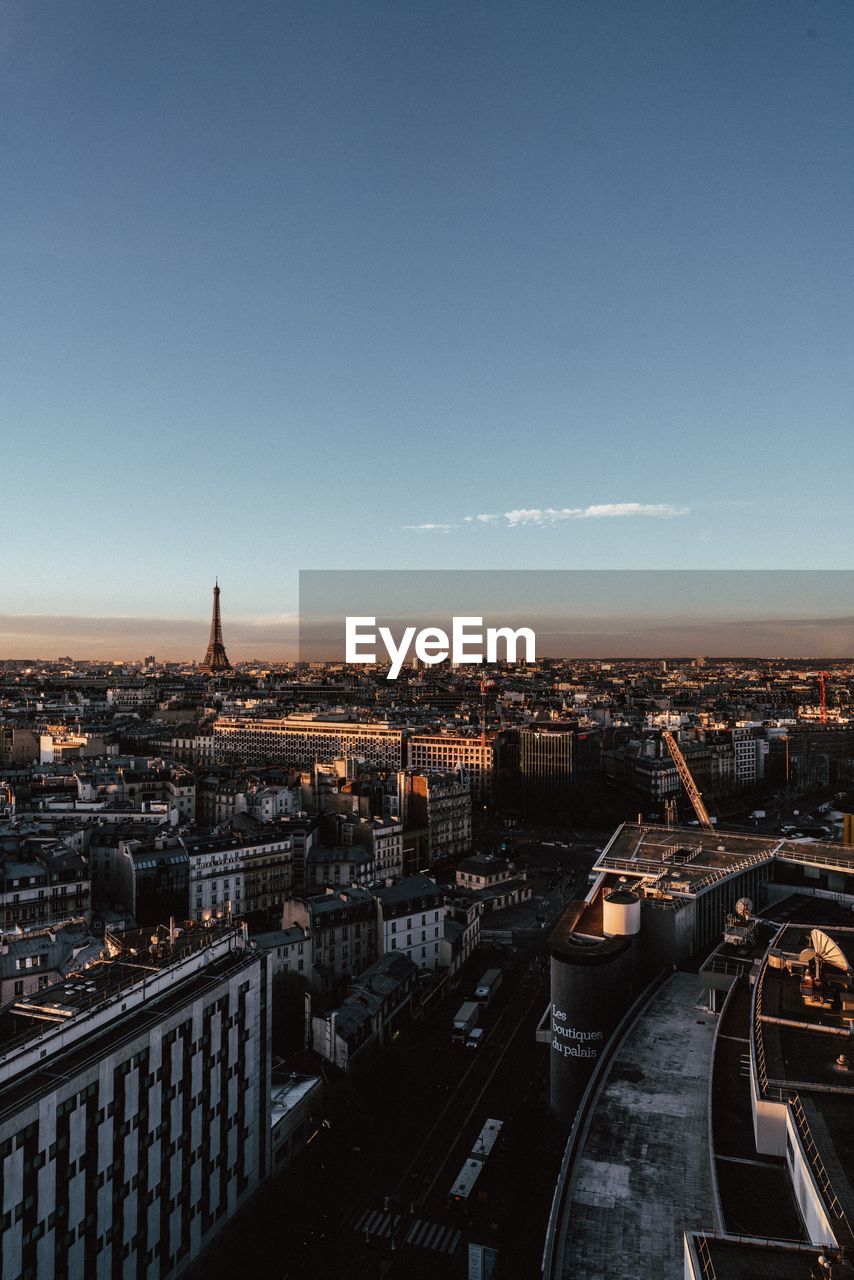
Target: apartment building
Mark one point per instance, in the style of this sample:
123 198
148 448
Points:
42 882
443 751
344 928
412 913
299 741
134 1108
441 802
238 872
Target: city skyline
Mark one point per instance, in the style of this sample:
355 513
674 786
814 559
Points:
183 639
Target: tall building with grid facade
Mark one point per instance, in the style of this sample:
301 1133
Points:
299 741
134 1108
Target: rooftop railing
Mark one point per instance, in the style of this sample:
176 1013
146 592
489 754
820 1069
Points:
707 1268
804 853
811 1154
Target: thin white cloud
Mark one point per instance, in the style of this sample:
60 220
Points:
560 515
430 527
601 511
660 510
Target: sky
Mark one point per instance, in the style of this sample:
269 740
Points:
413 285
585 613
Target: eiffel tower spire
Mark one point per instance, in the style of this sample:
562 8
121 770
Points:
216 659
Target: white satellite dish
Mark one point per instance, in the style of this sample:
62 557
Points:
828 951
743 907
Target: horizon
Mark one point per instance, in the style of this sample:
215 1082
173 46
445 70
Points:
260 659
607 614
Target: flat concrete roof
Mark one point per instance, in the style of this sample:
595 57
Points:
642 1177
700 857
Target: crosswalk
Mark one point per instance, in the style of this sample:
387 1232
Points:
433 1235
378 1224
374 1222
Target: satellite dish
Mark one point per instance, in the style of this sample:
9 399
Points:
828 951
743 907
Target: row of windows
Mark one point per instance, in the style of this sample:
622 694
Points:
409 921
424 949
44 981
409 939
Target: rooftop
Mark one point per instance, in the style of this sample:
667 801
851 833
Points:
339 900
696 858
287 1092
483 864
31 1061
339 853
126 959
642 1176
412 889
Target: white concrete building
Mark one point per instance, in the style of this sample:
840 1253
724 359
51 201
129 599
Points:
299 741
135 1109
413 920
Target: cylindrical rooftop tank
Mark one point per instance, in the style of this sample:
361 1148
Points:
621 914
591 988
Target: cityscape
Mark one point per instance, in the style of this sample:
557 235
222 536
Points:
300 961
426 640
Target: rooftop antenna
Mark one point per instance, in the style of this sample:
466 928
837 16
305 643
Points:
826 951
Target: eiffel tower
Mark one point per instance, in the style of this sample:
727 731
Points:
216 659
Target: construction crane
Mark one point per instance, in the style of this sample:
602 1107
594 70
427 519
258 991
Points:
687 781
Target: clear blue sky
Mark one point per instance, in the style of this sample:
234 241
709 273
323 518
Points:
282 279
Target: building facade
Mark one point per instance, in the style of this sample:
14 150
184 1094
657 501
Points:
135 1118
299 741
413 920
474 753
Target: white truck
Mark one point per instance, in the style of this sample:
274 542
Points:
465 1019
487 987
